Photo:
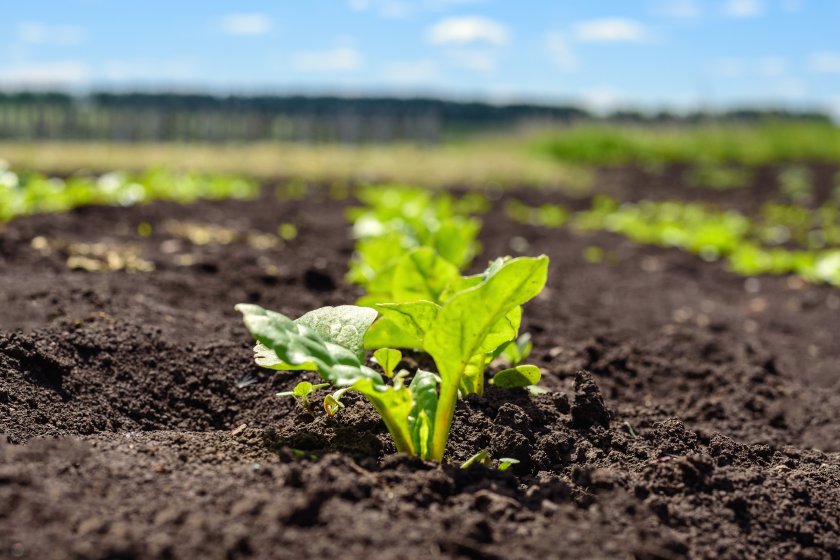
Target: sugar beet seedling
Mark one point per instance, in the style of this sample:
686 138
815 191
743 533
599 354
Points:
474 323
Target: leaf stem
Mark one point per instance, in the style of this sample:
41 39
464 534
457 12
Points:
445 411
402 439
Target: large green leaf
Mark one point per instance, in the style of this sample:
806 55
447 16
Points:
344 325
461 328
297 344
402 325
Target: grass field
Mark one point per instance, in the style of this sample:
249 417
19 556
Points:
479 162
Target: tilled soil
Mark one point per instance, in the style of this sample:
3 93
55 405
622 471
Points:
690 413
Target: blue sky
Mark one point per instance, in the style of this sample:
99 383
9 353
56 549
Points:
677 54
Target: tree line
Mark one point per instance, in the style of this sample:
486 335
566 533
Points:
135 117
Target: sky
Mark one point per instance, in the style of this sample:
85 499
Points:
604 54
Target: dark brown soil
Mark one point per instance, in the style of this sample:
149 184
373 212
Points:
690 414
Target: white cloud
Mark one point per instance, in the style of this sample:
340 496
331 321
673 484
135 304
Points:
681 9
246 24
743 8
338 59
472 59
610 30
411 71
401 9
466 30
45 74
772 66
825 62
560 51
34 32
602 100
150 69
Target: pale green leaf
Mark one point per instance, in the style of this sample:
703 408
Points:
297 344
388 358
421 274
461 327
424 393
519 376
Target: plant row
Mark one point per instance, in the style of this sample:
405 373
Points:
33 193
765 245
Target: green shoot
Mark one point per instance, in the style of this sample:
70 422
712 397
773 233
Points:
388 359
480 458
332 403
506 462
302 391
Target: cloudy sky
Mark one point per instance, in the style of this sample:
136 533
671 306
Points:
604 53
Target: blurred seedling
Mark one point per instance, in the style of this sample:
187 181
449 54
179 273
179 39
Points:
302 391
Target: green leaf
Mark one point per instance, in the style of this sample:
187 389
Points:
388 358
519 376
384 333
503 330
297 344
402 325
480 458
421 420
506 462
344 325
267 358
472 382
455 241
421 274
462 326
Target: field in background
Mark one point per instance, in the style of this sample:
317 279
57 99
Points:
480 161
539 157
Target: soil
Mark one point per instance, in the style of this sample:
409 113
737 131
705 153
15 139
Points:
691 413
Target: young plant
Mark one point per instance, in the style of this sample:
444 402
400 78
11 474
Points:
463 302
302 391
461 336
399 219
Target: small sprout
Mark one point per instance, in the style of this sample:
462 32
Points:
536 390
287 231
593 254
388 358
630 430
506 462
302 391
144 229
480 458
332 403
